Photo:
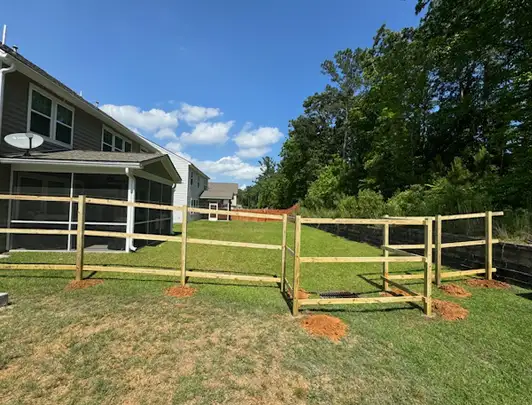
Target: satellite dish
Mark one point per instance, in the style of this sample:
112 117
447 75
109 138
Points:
27 141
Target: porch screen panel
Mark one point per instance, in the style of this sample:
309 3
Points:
101 217
152 221
40 214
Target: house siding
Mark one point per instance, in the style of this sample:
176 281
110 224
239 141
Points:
194 191
88 129
181 190
5 177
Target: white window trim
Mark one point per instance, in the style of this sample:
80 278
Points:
115 135
53 118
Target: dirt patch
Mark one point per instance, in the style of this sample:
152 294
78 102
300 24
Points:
449 310
76 285
476 282
301 294
455 291
180 291
326 326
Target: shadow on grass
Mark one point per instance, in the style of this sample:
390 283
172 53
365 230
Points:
527 296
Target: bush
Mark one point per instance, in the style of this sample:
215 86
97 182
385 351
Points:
370 204
348 207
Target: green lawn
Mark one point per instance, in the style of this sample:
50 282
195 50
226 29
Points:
124 342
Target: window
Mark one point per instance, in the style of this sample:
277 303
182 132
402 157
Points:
191 178
194 202
49 118
114 143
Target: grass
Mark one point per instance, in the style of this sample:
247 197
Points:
124 342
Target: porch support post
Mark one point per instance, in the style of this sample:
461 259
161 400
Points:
130 227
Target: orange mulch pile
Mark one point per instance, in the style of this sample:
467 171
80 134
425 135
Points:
476 282
325 325
180 291
455 291
449 310
301 294
76 285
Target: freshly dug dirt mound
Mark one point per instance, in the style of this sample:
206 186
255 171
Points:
180 291
455 291
449 310
301 294
325 325
76 285
476 282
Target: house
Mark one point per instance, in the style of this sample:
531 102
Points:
219 196
194 183
85 152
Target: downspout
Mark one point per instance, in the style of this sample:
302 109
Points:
3 72
130 227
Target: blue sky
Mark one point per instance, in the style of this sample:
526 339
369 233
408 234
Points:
217 81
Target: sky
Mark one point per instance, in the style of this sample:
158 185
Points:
215 81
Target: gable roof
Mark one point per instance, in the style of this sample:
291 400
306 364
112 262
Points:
224 191
38 74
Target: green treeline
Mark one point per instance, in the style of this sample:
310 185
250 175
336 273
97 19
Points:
431 119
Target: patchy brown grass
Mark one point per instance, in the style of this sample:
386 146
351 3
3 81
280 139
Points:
477 282
326 326
76 285
455 291
449 310
180 291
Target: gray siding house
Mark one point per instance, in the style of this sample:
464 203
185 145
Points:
85 152
194 183
219 196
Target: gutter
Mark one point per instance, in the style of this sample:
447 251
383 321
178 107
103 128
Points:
84 163
3 72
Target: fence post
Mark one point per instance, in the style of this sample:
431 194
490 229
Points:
489 245
427 291
297 267
385 265
438 249
283 253
80 238
184 225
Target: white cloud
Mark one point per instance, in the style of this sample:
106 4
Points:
193 114
230 166
255 143
173 147
207 133
252 152
150 121
165 133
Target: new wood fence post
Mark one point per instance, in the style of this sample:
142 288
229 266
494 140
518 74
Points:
80 238
283 253
184 225
297 267
438 249
385 265
427 291
489 244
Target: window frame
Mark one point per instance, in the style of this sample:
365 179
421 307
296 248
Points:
53 117
124 139
194 202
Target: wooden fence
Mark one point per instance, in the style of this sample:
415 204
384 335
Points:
391 253
403 257
438 221
182 273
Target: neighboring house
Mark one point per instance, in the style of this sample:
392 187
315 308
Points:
85 152
194 183
219 196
